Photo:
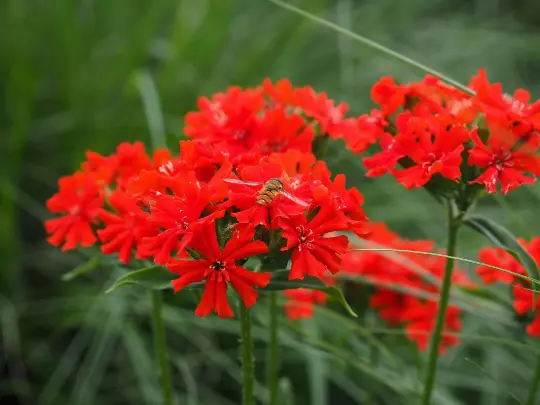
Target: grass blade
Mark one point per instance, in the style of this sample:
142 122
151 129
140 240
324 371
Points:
494 379
461 259
375 45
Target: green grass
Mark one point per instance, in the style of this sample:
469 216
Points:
90 74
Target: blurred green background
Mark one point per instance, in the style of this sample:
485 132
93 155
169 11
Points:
78 75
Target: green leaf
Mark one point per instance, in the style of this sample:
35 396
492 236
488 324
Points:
311 283
501 237
280 282
483 293
153 277
84 268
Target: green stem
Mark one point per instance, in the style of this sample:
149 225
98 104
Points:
161 347
534 385
246 348
272 361
453 226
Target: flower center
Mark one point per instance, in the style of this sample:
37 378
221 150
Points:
183 223
305 238
217 265
167 168
501 161
240 135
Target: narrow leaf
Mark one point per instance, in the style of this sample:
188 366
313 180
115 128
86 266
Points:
84 268
499 383
461 259
311 283
501 237
153 277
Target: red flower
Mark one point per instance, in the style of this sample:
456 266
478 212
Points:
294 162
370 127
389 95
414 275
282 93
177 217
314 253
390 305
509 112
500 258
128 161
124 229
435 148
278 131
322 109
420 318
380 163
103 167
523 303
229 118
301 302
219 268
521 289
80 199
245 195
503 164
347 203
432 97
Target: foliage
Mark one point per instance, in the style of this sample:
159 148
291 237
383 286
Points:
82 75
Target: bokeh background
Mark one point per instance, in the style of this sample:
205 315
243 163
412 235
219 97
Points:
88 74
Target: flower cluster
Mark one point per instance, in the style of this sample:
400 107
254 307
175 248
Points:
431 130
301 302
247 184
521 288
406 285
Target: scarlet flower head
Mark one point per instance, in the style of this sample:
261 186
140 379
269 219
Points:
248 166
346 202
417 276
314 252
521 289
510 112
434 149
389 95
369 128
176 217
504 164
219 268
301 302
79 199
125 228
420 318
261 202
500 258
429 127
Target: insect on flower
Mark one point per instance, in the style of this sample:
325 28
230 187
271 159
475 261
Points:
269 191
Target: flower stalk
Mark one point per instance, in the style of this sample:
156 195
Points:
454 222
246 353
161 347
272 360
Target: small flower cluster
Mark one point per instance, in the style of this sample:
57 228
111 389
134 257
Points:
301 302
521 288
433 130
246 184
417 278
